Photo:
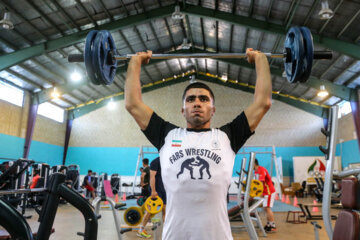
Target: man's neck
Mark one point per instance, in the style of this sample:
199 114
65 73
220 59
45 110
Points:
198 127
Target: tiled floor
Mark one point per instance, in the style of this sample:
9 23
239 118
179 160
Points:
69 221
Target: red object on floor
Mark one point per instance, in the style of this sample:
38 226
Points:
276 196
283 198
287 199
315 209
124 197
295 204
116 198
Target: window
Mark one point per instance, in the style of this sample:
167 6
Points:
11 94
344 108
51 111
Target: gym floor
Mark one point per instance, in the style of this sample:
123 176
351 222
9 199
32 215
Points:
69 221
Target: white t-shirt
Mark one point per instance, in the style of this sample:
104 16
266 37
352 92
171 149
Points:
197 167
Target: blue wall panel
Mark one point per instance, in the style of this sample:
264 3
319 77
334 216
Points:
123 160
106 159
349 152
287 154
13 147
47 153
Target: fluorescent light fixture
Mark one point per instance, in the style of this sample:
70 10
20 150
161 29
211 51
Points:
185 44
55 94
111 105
322 92
192 79
76 76
6 22
224 77
177 15
325 12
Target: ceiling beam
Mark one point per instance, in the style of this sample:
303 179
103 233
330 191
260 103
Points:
10 59
203 33
13 58
345 47
334 89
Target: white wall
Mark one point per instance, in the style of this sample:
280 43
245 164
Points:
283 125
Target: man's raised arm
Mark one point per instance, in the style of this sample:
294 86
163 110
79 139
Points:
263 89
133 99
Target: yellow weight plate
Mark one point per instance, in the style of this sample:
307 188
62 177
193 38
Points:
256 188
153 205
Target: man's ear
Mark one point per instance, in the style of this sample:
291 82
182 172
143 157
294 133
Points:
182 110
213 111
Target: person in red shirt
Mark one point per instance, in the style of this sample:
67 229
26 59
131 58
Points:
263 175
35 179
88 184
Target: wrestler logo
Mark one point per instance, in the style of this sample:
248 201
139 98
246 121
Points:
198 163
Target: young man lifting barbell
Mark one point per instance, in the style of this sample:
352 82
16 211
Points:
196 208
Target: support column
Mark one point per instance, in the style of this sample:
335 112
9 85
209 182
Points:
67 137
355 107
30 125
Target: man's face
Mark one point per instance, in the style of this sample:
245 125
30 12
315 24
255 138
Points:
198 108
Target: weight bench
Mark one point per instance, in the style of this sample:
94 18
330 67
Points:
347 227
4 235
307 213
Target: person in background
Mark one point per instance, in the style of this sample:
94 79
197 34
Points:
157 189
35 179
269 195
145 179
88 185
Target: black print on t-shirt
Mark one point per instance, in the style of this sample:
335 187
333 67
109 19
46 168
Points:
190 163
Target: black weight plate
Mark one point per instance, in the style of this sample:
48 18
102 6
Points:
308 53
89 49
133 216
140 201
294 41
104 68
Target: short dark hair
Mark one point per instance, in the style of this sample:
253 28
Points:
89 171
146 161
256 162
198 85
36 172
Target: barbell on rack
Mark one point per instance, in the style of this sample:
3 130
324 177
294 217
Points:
101 61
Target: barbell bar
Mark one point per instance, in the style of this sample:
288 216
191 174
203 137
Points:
317 55
21 191
101 61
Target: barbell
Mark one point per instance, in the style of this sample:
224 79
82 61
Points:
22 191
101 61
